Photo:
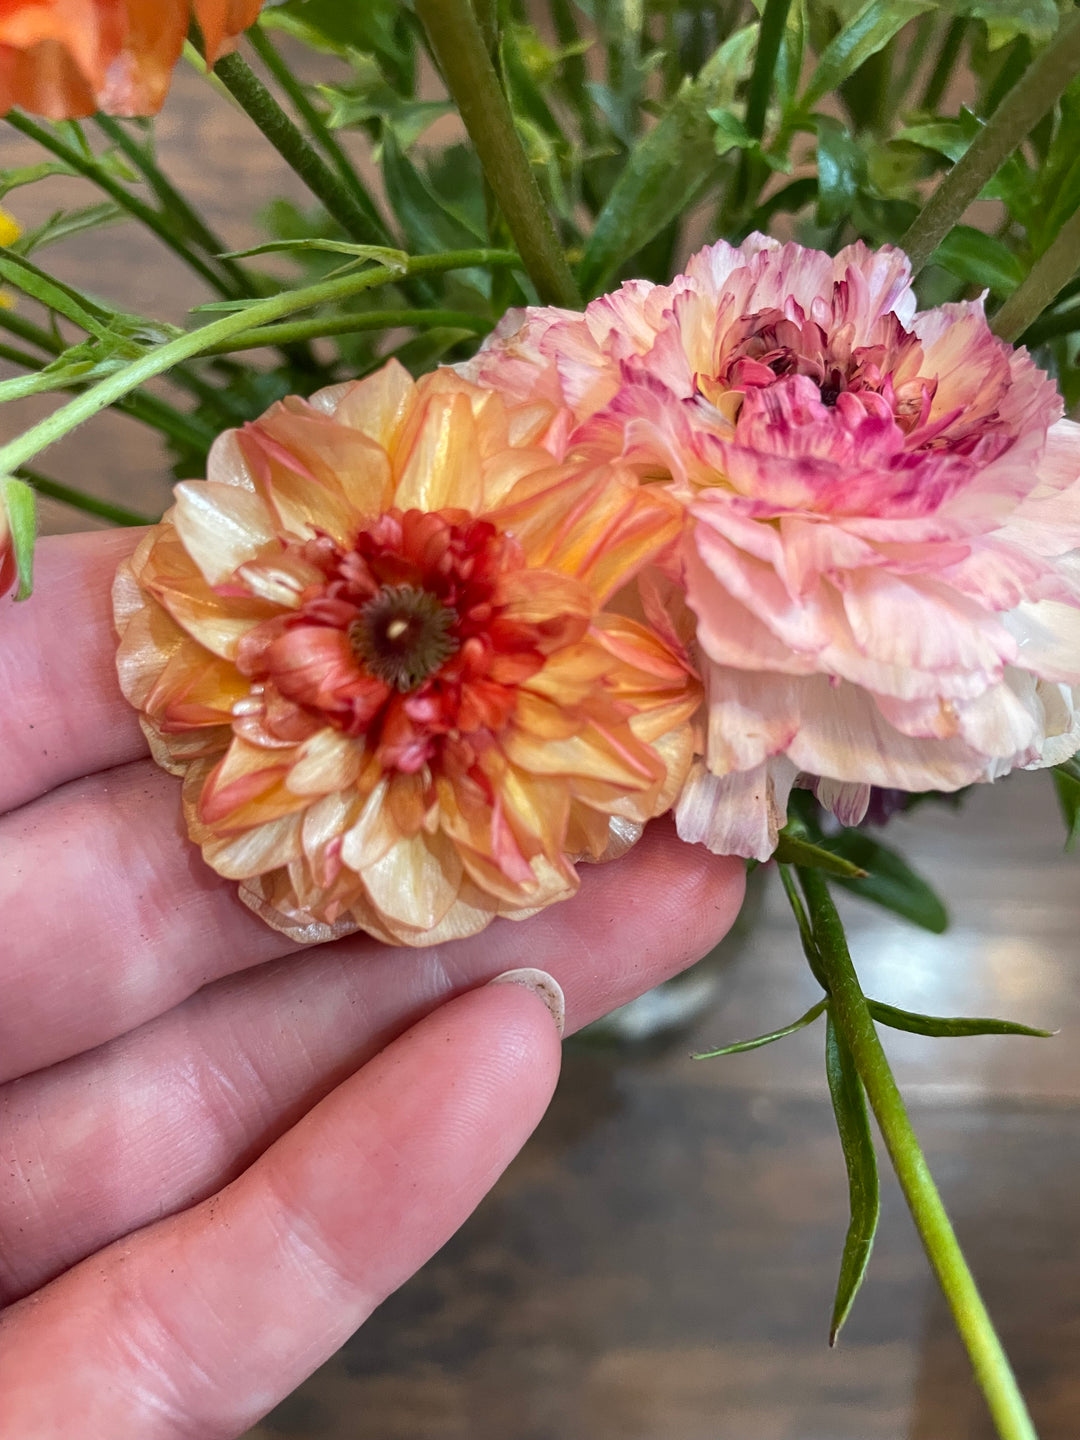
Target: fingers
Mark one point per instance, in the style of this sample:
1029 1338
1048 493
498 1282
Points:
109 1141
101 870
111 917
197 1325
63 714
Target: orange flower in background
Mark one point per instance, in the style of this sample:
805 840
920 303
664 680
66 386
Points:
66 58
373 642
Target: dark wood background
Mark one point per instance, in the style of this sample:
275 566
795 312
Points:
659 1262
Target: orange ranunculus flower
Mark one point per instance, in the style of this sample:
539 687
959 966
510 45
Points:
374 644
64 58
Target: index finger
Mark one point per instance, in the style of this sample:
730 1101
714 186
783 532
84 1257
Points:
63 714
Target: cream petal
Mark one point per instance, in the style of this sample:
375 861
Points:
736 814
221 526
416 881
265 847
327 762
441 458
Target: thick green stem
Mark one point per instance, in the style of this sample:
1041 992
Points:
176 205
1047 278
471 79
1021 110
317 127
185 347
320 329
850 1012
89 504
246 87
145 214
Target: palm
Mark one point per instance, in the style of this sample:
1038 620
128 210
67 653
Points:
218 1153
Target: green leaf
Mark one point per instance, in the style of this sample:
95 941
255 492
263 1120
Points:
1005 19
841 167
791 850
29 174
64 223
426 222
17 498
1067 784
891 882
740 1046
948 1026
669 167
980 260
865 34
26 276
381 254
853 1124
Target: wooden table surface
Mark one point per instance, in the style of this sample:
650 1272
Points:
659 1262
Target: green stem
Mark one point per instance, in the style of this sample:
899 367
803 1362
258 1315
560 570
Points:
1044 282
28 331
185 347
317 126
89 504
851 1014
471 79
770 38
176 205
246 87
1022 108
145 214
319 329
15 356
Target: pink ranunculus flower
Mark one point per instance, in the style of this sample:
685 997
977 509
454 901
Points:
883 566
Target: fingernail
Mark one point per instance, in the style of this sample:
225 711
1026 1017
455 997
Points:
542 984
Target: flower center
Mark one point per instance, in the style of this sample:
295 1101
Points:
404 634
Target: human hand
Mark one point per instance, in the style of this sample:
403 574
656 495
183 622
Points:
219 1153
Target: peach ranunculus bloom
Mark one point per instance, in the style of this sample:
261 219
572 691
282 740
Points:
66 58
374 643
885 504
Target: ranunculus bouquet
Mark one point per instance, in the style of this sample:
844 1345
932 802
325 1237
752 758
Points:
791 537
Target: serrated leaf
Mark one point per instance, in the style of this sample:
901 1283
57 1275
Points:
792 850
864 35
17 498
890 881
1067 784
739 1047
948 1026
979 259
853 1125
668 168
841 167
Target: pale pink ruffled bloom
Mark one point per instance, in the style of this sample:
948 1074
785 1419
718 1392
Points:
883 566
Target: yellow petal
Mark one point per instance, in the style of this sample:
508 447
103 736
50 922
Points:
438 457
